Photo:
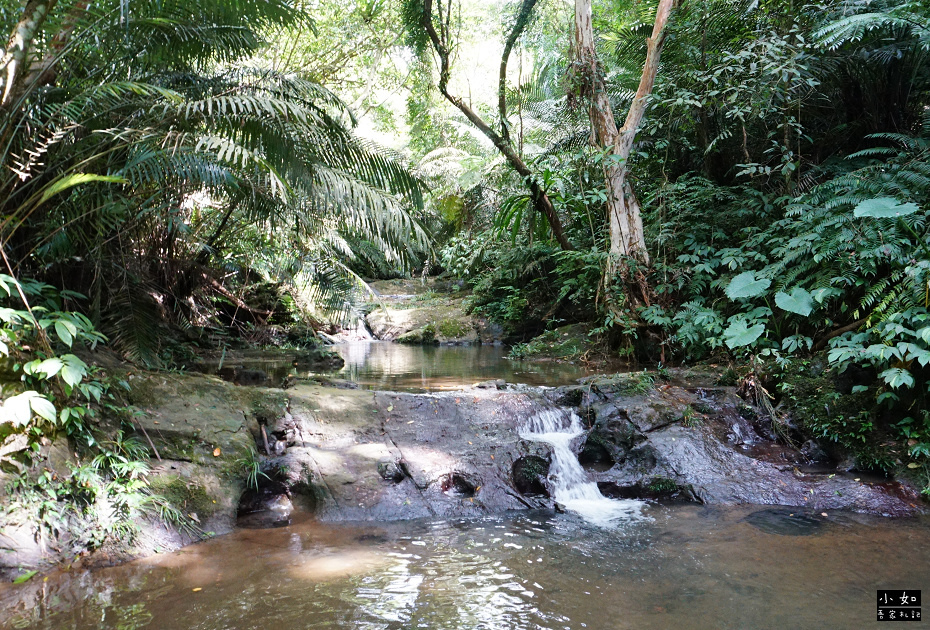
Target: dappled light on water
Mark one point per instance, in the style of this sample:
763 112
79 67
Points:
386 365
687 566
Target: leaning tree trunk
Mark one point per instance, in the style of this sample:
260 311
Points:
624 216
442 45
16 55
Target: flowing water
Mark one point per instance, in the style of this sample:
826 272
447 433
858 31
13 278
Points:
571 485
685 567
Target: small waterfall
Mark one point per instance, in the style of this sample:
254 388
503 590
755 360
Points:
572 488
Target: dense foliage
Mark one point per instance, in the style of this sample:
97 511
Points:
195 171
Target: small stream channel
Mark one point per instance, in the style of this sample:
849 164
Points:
603 564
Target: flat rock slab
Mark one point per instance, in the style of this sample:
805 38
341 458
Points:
385 455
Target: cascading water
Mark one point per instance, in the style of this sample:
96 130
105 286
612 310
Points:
570 483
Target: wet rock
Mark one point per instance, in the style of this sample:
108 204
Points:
457 484
449 454
813 452
495 384
594 454
782 521
268 506
656 489
530 475
391 471
719 454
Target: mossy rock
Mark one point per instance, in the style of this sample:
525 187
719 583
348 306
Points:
425 335
187 496
453 328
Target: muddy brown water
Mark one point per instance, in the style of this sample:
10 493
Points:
684 567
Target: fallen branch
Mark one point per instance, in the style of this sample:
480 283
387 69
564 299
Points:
822 343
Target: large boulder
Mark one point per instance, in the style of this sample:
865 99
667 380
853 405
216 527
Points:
384 455
714 448
426 312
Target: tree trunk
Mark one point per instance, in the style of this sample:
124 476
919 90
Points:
625 218
14 62
441 45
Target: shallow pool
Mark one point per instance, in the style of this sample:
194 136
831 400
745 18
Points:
683 567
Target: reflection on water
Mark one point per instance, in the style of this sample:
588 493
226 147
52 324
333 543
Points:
688 567
398 367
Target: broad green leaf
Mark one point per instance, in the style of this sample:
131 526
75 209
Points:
15 410
820 295
883 352
913 352
43 407
896 377
74 370
799 301
838 355
72 374
50 367
738 334
70 181
66 331
884 208
924 333
745 285
10 315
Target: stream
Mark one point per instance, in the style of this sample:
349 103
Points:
410 368
685 567
602 564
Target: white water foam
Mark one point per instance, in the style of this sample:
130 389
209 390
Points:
570 483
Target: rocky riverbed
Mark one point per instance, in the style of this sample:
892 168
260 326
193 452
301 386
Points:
344 454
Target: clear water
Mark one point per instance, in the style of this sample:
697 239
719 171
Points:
398 367
571 486
683 567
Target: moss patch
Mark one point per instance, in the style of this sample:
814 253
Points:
187 496
421 336
662 486
453 328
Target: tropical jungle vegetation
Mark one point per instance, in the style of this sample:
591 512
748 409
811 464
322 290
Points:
180 176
